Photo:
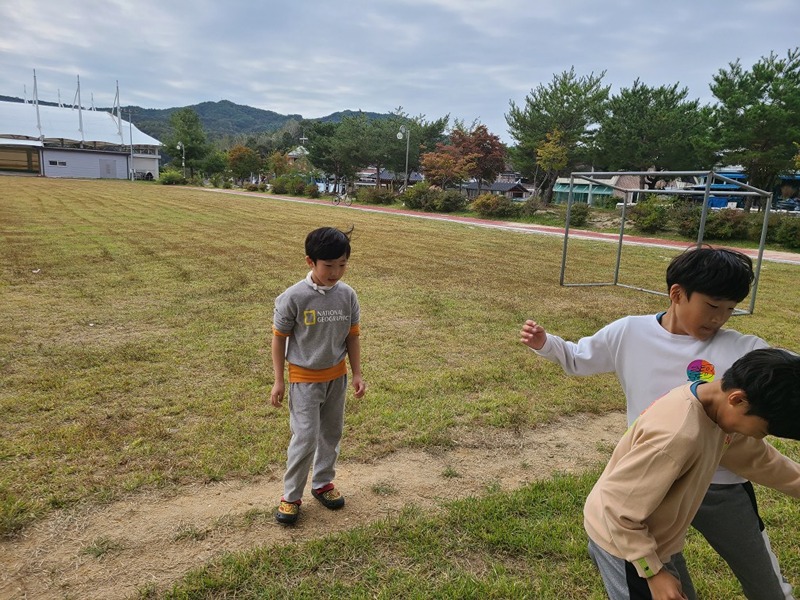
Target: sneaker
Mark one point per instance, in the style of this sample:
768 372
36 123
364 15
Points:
287 512
329 496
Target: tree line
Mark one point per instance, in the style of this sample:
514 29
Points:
572 123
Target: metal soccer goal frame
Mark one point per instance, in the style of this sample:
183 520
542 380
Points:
744 190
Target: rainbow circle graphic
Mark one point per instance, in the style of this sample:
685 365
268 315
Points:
700 370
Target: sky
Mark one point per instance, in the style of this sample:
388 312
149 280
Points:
466 59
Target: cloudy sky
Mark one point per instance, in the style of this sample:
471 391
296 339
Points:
464 58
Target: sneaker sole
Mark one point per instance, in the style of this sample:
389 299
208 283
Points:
286 519
336 505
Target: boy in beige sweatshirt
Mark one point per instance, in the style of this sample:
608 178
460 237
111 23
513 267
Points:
639 511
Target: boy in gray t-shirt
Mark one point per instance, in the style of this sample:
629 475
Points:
315 326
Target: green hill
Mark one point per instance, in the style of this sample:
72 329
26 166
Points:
219 119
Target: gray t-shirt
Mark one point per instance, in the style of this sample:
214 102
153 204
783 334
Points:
317 323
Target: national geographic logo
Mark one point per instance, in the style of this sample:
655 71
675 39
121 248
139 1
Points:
312 317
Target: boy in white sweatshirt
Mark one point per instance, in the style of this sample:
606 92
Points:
651 354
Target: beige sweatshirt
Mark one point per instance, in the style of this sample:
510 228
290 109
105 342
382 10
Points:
642 504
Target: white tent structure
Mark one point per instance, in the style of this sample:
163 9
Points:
57 141
56 124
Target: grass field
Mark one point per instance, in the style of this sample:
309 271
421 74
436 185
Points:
134 352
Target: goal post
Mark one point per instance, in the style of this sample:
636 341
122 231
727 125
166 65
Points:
743 190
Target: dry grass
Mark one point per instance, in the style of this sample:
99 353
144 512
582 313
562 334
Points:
135 326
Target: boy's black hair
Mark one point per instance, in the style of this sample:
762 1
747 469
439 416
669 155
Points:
770 378
717 272
328 243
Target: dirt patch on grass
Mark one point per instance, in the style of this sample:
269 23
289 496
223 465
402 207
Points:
605 221
151 540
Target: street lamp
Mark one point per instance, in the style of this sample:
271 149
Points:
404 131
182 148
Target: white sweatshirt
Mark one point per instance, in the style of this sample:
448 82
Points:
650 361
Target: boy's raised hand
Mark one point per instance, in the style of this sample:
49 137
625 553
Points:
533 335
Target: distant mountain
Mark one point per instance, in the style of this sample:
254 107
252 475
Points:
338 116
222 118
218 118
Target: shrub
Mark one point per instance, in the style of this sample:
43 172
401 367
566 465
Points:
279 185
424 196
375 195
685 217
531 206
494 205
216 180
604 201
312 191
650 214
726 224
289 184
755 222
262 186
170 177
449 201
419 196
788 232
579 214
296 186
227 184
251 187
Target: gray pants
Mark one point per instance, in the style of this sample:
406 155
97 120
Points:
620 578
728 519
316 418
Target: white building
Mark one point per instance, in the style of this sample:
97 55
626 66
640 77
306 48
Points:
56 141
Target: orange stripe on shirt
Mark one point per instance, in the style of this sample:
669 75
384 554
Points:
302 375
354 330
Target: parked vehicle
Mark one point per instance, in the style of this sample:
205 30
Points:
791 204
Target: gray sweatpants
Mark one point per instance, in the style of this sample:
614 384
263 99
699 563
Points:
728 519
316 418
621 580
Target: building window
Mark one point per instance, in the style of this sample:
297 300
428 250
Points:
58 163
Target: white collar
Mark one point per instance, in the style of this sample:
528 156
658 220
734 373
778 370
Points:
319 288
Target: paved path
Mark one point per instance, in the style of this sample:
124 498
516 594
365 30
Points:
770 255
